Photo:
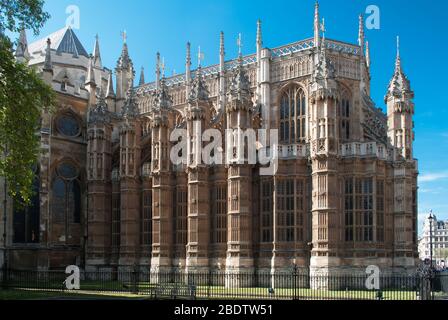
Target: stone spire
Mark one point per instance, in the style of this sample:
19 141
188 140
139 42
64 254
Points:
316 25
110 87
90 79
162 100
361 34
157 70
22 54
399 84
367 54
199 91
187 69
48 65
100 112
221 52
130 108
142 77
259 35
240 85
96 53
188 63
324 85
124 61
324 68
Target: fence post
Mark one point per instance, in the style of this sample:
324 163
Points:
295 283
134 280
209 282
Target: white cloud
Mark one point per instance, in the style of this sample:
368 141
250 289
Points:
428 177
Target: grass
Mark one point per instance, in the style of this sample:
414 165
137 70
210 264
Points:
117 289
37 294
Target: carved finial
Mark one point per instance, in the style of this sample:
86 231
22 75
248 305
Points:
163 67
188 58
124 36
157 70
96 52
221 44
142 76
316 25
90 80
367 54
361 33
200 56
259 35
110 87
239 43
322 28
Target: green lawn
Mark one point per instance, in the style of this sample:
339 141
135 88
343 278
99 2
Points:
119 289
34 294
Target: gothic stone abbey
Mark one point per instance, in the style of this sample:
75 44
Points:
344 195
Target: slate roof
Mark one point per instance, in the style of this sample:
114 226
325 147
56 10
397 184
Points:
62 41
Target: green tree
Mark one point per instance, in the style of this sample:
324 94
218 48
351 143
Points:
23 96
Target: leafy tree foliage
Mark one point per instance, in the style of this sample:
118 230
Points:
23 97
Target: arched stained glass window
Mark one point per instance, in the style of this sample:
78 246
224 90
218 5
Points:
293 116
66 195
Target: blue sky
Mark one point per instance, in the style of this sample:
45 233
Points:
167 25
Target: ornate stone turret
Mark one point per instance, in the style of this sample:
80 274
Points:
124 74
239 240
324 97
99 166
400 110
198 188
162 206
130 155
400 125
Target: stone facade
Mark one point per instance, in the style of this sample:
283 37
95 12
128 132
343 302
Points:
343 196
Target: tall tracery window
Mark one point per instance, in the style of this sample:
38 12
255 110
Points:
359 209
26 219
146 217
219 214
267 190
285 207
66 195
292 116
291 209
116 219
180 206
344 112
380 210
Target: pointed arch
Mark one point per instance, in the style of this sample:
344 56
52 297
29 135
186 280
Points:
345 111
292 115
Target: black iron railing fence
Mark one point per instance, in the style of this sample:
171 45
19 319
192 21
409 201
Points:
225 285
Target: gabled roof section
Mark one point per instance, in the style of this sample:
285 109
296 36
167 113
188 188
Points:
62 41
